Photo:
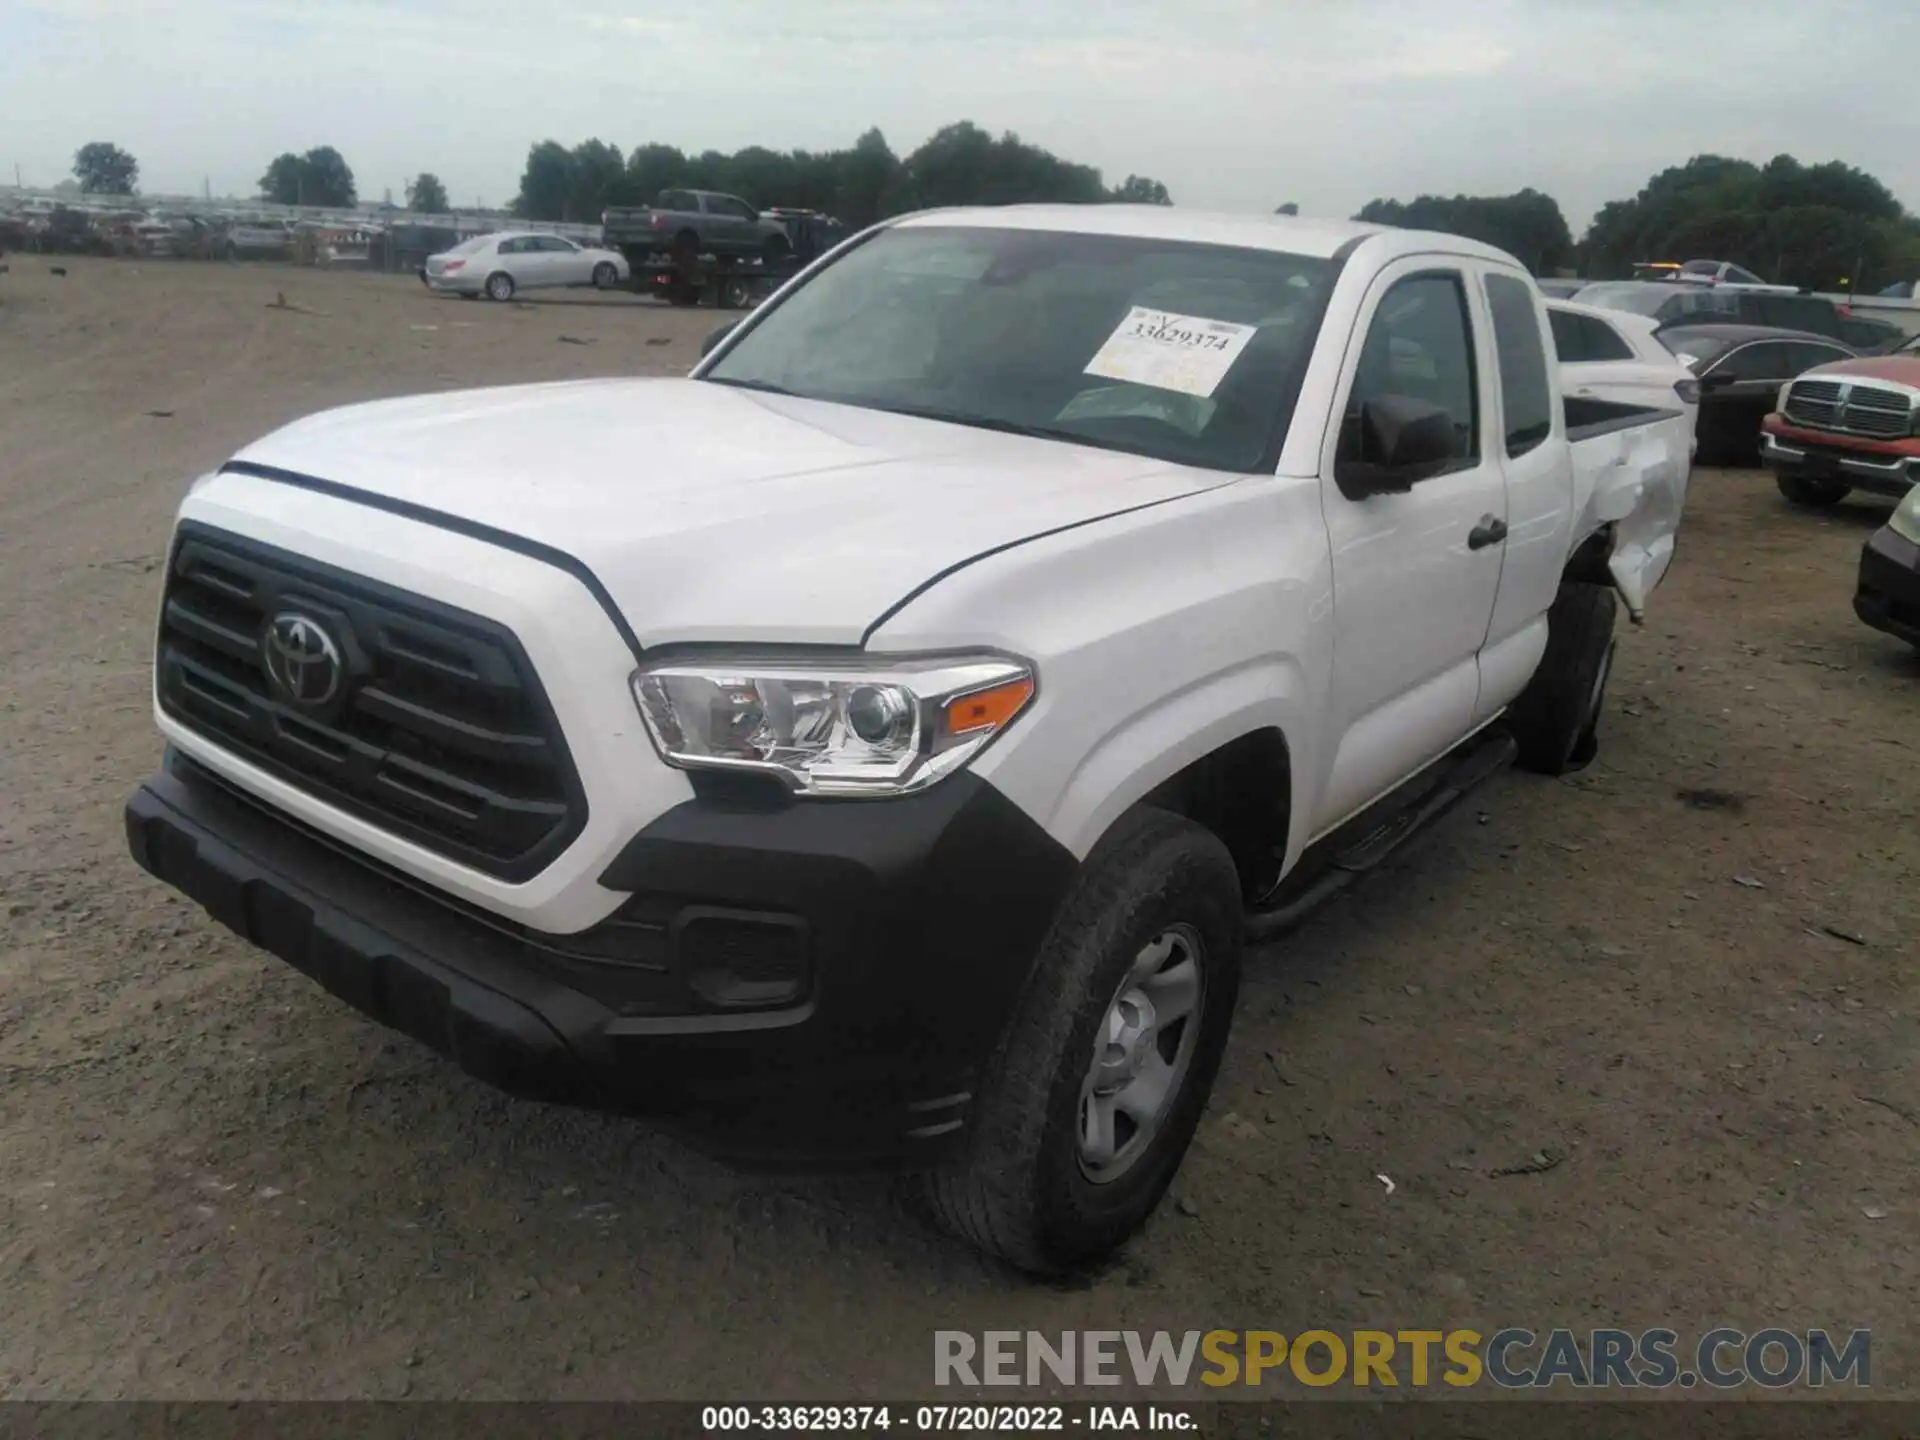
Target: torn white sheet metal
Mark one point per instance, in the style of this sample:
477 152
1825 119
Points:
1635 480
1169 351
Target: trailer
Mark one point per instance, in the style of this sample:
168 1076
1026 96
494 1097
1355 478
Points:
731 281
724 281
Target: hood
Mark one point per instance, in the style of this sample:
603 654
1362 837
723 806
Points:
714 513
1895 369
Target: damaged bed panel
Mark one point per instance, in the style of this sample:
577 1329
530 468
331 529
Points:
1631 464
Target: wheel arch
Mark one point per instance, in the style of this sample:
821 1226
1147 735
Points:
1225 753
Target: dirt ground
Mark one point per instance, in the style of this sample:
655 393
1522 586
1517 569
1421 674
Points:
216 1181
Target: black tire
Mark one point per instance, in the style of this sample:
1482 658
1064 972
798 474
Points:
500 286
1813 494
1021 1189
735 294
605 275
1555 722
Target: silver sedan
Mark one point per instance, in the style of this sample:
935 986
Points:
500 265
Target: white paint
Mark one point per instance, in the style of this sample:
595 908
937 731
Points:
1167 610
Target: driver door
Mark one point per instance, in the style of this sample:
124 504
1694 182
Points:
1415 575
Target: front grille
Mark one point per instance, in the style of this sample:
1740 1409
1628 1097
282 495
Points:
1852 409
438 729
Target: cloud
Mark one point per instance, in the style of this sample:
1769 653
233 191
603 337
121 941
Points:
1235 104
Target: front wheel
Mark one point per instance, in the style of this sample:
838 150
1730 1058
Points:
1099 1084
500 286
1814 494
1556 721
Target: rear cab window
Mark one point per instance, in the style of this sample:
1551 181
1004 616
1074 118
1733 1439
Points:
1526 390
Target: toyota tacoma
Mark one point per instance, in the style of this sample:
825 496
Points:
880 745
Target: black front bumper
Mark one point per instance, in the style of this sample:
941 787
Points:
1888 597
918 919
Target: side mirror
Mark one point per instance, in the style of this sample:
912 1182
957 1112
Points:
1395 442
708 345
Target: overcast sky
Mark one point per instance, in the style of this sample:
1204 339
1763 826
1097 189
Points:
1235 104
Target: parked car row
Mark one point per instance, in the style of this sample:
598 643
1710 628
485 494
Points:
1675 304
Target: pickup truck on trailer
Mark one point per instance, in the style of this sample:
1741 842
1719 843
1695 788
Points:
882 743
689 223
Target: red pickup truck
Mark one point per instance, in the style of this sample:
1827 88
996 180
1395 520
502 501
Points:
1851 425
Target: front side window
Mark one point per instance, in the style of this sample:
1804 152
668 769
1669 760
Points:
1526 392
1182 351
1805 355
1419 347
736 209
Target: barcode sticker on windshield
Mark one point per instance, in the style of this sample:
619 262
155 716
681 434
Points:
1171 352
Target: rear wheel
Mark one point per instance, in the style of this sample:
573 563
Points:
1098 1087
1814 494
500 286
605 275
735 294
1556 720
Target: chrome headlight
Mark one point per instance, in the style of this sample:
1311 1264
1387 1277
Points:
868 725
1906 517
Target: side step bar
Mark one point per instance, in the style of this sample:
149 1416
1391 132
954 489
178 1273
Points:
1350 855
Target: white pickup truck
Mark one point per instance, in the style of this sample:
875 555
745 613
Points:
881 744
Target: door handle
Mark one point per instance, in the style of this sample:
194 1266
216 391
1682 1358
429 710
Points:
1490 531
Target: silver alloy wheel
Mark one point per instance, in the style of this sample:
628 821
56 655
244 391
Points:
500 286
1141 1053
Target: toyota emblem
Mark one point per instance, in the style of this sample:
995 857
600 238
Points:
303 660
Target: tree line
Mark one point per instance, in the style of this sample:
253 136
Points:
1824 225
961 164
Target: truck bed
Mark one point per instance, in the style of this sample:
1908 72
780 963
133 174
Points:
1631 464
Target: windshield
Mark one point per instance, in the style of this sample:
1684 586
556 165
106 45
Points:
1184 352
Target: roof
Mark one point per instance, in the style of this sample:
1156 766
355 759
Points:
1287 234
1736 334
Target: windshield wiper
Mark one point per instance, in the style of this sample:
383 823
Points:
1004 427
